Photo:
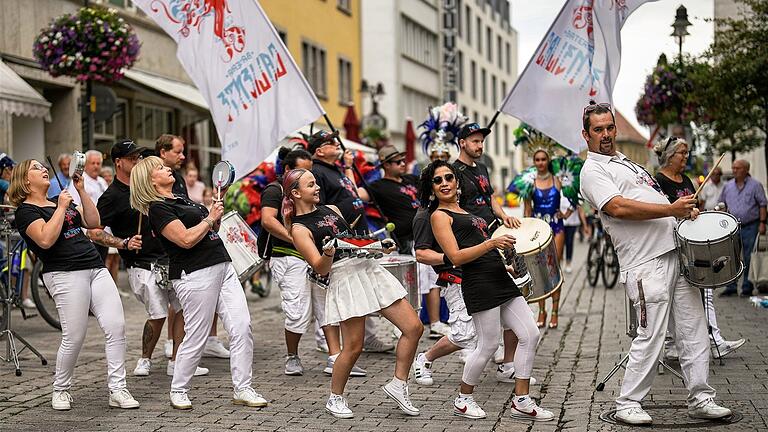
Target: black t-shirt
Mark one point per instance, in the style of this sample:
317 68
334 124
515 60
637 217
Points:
116 212
674 190
207 252
72 250
399 202
336 189
423 238
323 222
179 185
476 190
272 197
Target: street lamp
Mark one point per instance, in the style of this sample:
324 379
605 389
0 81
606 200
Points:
680 27
374 119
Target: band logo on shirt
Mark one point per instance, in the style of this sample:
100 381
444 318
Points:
329 221
481 225
347 184
411 192
69 217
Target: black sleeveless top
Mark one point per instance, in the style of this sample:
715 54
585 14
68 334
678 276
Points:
485 282
322 222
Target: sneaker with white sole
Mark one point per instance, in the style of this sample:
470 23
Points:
422 370
180 400
293 365
28 304
337 406
61 400
322 346
465 406
122 399
376 345
525 408
355 372
633 416
142 367
199 371
710 410
249 397
507 375
398 392
168 348
214 348
726 348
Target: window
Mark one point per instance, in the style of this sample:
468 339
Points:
344 6
458 18
419 43
475 117
152 121
506 141
415 101
114 127
479 36
484 84
503 89
496 140
313 66
494 92
460 60
468 18
506 56
473 78
499 58
345 82
488 47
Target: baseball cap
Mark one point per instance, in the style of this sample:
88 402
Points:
6 161
125 148
389 152
470 128
319 138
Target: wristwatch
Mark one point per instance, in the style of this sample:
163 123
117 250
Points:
125 242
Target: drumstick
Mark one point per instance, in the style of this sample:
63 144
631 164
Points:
138 231
696 195
54 172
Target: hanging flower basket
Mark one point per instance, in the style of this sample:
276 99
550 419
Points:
91 44
663 101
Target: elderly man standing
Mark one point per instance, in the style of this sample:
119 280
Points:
710 193
95 185
745 198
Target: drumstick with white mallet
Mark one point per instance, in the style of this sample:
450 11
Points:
218 186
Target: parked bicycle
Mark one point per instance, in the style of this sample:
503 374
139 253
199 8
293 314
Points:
602 258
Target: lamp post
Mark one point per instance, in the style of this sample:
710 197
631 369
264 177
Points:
680 27
374 120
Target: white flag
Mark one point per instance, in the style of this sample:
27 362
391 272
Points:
578 60
256 93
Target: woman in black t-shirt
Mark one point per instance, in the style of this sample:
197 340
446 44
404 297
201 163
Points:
357 287
75 276
490 294
202 276
673 156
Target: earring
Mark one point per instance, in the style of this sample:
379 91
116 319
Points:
432 197
458 191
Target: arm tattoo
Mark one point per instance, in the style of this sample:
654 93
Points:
105 239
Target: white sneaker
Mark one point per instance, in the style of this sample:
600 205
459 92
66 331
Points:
122 399
507 375
61 400
727 347
28 304
465 406
214 348
670 352
249 397
337 406
172 365
525 408
322 347
293 365
168 348
142 367
180 400
633 416
376 345
710 410
399 393
355 372
422 370
568 268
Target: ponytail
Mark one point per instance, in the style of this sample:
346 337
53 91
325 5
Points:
290 182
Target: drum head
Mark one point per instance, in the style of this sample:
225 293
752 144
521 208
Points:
77 165
223 175
709 226
396 259
532 235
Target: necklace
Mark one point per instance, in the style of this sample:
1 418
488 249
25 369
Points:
543 177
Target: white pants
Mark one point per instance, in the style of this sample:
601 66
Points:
75 293
301 300
427 278
154 297
712 317
463 333
515 315
668 297
202 293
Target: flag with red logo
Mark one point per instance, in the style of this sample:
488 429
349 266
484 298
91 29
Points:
254 90
577 60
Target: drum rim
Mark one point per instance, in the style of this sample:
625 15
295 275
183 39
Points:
704 242
408 259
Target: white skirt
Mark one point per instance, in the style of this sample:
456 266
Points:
359 287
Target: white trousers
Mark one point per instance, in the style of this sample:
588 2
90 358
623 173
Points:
75 293
203 293
667 297
515 315
301 300
709 305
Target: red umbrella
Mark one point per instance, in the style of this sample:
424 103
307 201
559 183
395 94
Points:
352 124
410 141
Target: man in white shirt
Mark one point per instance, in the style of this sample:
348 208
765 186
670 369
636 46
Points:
710 193
640 221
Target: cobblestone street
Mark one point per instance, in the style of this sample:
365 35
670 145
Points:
570 361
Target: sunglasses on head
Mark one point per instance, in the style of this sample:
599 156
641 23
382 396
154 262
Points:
591 107
439 179
670 140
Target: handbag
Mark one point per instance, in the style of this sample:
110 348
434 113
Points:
758 267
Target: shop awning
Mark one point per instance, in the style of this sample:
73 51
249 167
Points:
19 98
177 89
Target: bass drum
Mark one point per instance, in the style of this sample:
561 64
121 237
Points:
404 268
240 242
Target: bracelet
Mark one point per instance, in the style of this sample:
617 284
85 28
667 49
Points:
330 256
209 222
125 242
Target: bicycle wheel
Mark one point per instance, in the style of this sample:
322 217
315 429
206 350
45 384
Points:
610 265
593 264
41 296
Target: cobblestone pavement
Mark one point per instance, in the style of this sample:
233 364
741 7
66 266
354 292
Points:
569 363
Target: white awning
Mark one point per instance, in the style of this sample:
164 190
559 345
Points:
19 98
177 89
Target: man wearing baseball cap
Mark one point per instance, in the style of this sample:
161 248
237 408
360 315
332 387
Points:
6 168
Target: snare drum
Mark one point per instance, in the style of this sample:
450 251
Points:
534 241
240 242
404 268
709 249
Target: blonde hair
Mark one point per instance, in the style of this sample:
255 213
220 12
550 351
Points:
19 190
143 192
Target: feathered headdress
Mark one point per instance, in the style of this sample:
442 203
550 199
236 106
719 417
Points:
534 140
441 129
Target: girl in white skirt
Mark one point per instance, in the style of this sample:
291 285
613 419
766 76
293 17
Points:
356 288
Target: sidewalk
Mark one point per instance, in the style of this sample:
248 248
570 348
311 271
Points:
570 361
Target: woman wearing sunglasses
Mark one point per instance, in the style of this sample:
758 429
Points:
74 274
490 295
355 288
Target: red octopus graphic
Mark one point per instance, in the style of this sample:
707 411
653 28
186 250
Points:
329 221
480 224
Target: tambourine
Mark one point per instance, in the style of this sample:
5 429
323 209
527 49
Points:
77 165
222 177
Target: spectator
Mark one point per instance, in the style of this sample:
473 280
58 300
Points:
108 174
195 188
710 193
62 176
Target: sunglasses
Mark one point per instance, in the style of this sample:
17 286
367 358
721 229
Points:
591 107
670 140
398 162
439 179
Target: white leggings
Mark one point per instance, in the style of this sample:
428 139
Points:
515 315
76 292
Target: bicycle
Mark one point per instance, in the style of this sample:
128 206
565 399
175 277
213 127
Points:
602 258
